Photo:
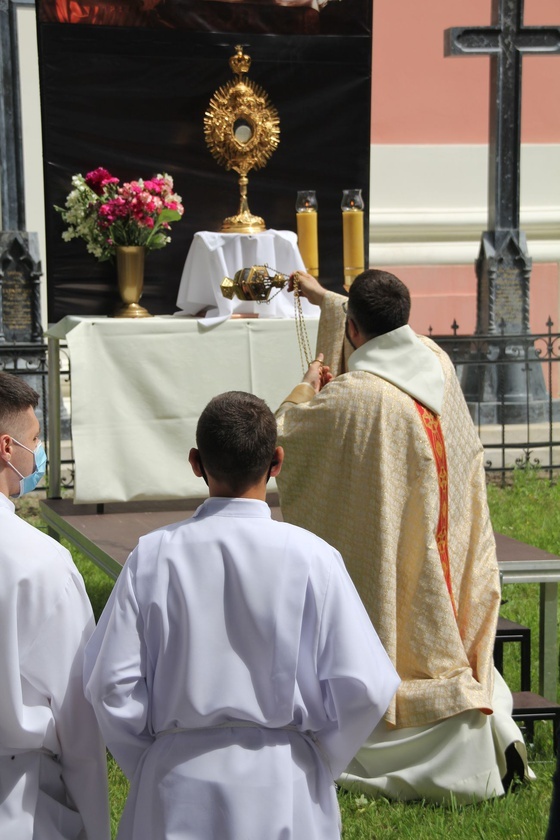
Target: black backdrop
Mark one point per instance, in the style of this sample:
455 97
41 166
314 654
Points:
132 99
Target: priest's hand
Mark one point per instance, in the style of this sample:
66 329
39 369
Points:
318 374
308 285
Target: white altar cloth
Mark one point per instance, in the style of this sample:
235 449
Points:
213 256
139 386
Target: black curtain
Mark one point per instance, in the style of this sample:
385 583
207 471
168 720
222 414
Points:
132 99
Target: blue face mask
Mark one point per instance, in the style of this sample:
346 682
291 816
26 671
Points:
30 482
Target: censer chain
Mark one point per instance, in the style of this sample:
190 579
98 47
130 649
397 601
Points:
301 328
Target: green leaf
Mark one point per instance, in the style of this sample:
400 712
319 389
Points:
169 216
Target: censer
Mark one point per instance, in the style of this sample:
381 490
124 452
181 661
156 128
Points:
257 284
242 129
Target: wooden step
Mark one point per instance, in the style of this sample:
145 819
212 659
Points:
510 631
529 707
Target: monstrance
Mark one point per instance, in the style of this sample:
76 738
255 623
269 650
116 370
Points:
242 129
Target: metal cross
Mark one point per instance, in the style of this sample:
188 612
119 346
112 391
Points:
505 41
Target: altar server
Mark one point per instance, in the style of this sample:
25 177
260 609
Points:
53 775
234 671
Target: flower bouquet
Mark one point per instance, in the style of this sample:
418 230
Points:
122 221
106 214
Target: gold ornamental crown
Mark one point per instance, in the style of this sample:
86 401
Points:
240 62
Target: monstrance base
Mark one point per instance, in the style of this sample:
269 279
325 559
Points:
243 223
132 310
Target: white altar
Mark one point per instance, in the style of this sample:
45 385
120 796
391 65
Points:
138 387
213 256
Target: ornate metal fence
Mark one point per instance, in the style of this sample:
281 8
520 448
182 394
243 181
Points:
511 384
29 361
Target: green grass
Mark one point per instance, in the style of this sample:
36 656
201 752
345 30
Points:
522 814
528 510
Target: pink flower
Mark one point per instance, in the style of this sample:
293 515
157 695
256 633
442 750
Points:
131 189
115 208
98 179
153 185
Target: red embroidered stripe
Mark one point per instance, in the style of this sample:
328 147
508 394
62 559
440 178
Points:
432 426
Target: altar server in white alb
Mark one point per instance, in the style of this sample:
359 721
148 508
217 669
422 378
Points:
53 774
234 671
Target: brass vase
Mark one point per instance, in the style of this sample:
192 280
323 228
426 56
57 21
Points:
130 276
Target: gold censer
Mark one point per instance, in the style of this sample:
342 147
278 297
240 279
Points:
260 283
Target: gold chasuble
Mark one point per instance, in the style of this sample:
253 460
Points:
360 472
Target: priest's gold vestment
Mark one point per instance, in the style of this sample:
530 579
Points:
359 472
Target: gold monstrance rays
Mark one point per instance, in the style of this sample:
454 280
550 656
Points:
242 130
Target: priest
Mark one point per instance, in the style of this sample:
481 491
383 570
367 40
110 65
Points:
383 461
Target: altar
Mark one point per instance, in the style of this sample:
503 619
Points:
138 387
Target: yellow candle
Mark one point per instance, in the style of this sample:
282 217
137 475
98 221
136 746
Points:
308 240
353 244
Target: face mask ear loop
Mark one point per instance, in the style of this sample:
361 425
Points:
21 480
15 469
23 447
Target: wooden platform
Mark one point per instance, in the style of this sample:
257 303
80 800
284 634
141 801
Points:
106 534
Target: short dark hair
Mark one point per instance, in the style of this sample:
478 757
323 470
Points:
236 439
378 302
16 396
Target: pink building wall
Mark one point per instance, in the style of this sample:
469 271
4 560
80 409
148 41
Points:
419 97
